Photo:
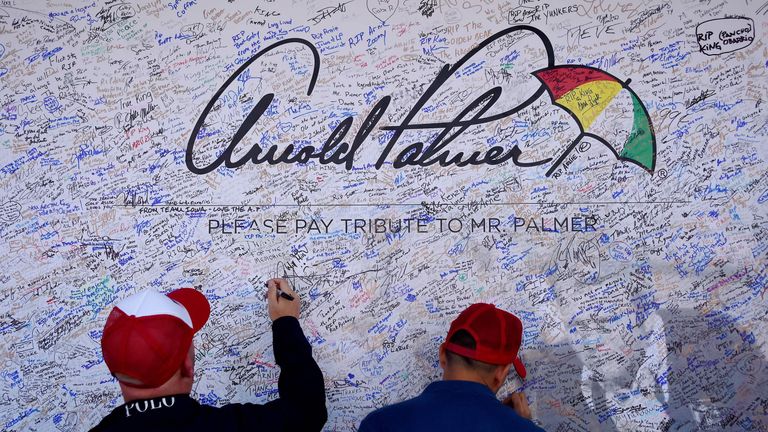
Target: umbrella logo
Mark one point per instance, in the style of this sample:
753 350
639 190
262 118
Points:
585 93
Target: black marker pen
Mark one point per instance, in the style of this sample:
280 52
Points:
281 293
284 295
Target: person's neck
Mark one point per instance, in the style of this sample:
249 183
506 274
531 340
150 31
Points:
169 388
464 375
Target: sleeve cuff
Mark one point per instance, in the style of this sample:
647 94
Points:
285 323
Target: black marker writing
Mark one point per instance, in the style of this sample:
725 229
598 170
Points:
336 151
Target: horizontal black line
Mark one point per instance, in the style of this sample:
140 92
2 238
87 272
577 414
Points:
411 204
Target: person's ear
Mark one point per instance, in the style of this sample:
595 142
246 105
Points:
500 375
443 358
188 367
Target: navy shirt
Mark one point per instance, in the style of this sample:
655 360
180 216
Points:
449 406
301 406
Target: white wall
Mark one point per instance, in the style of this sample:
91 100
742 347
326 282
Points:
653 319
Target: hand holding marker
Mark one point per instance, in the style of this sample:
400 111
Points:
282 300
280 292
284 295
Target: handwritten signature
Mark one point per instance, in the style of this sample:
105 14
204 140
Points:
335 151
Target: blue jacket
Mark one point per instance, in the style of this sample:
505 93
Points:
449 406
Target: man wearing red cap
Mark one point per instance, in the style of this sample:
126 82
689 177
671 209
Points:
147 346
480 349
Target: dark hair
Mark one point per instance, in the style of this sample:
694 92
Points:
462 338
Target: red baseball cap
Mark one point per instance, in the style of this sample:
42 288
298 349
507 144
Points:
497 333
147 335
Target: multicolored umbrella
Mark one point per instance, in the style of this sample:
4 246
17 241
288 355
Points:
585 92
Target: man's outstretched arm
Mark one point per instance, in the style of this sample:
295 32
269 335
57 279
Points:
301 385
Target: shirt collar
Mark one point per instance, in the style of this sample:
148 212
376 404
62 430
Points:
456 386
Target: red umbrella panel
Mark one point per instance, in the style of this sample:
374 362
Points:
587 93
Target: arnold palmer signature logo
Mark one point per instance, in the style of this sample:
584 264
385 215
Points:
335 150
